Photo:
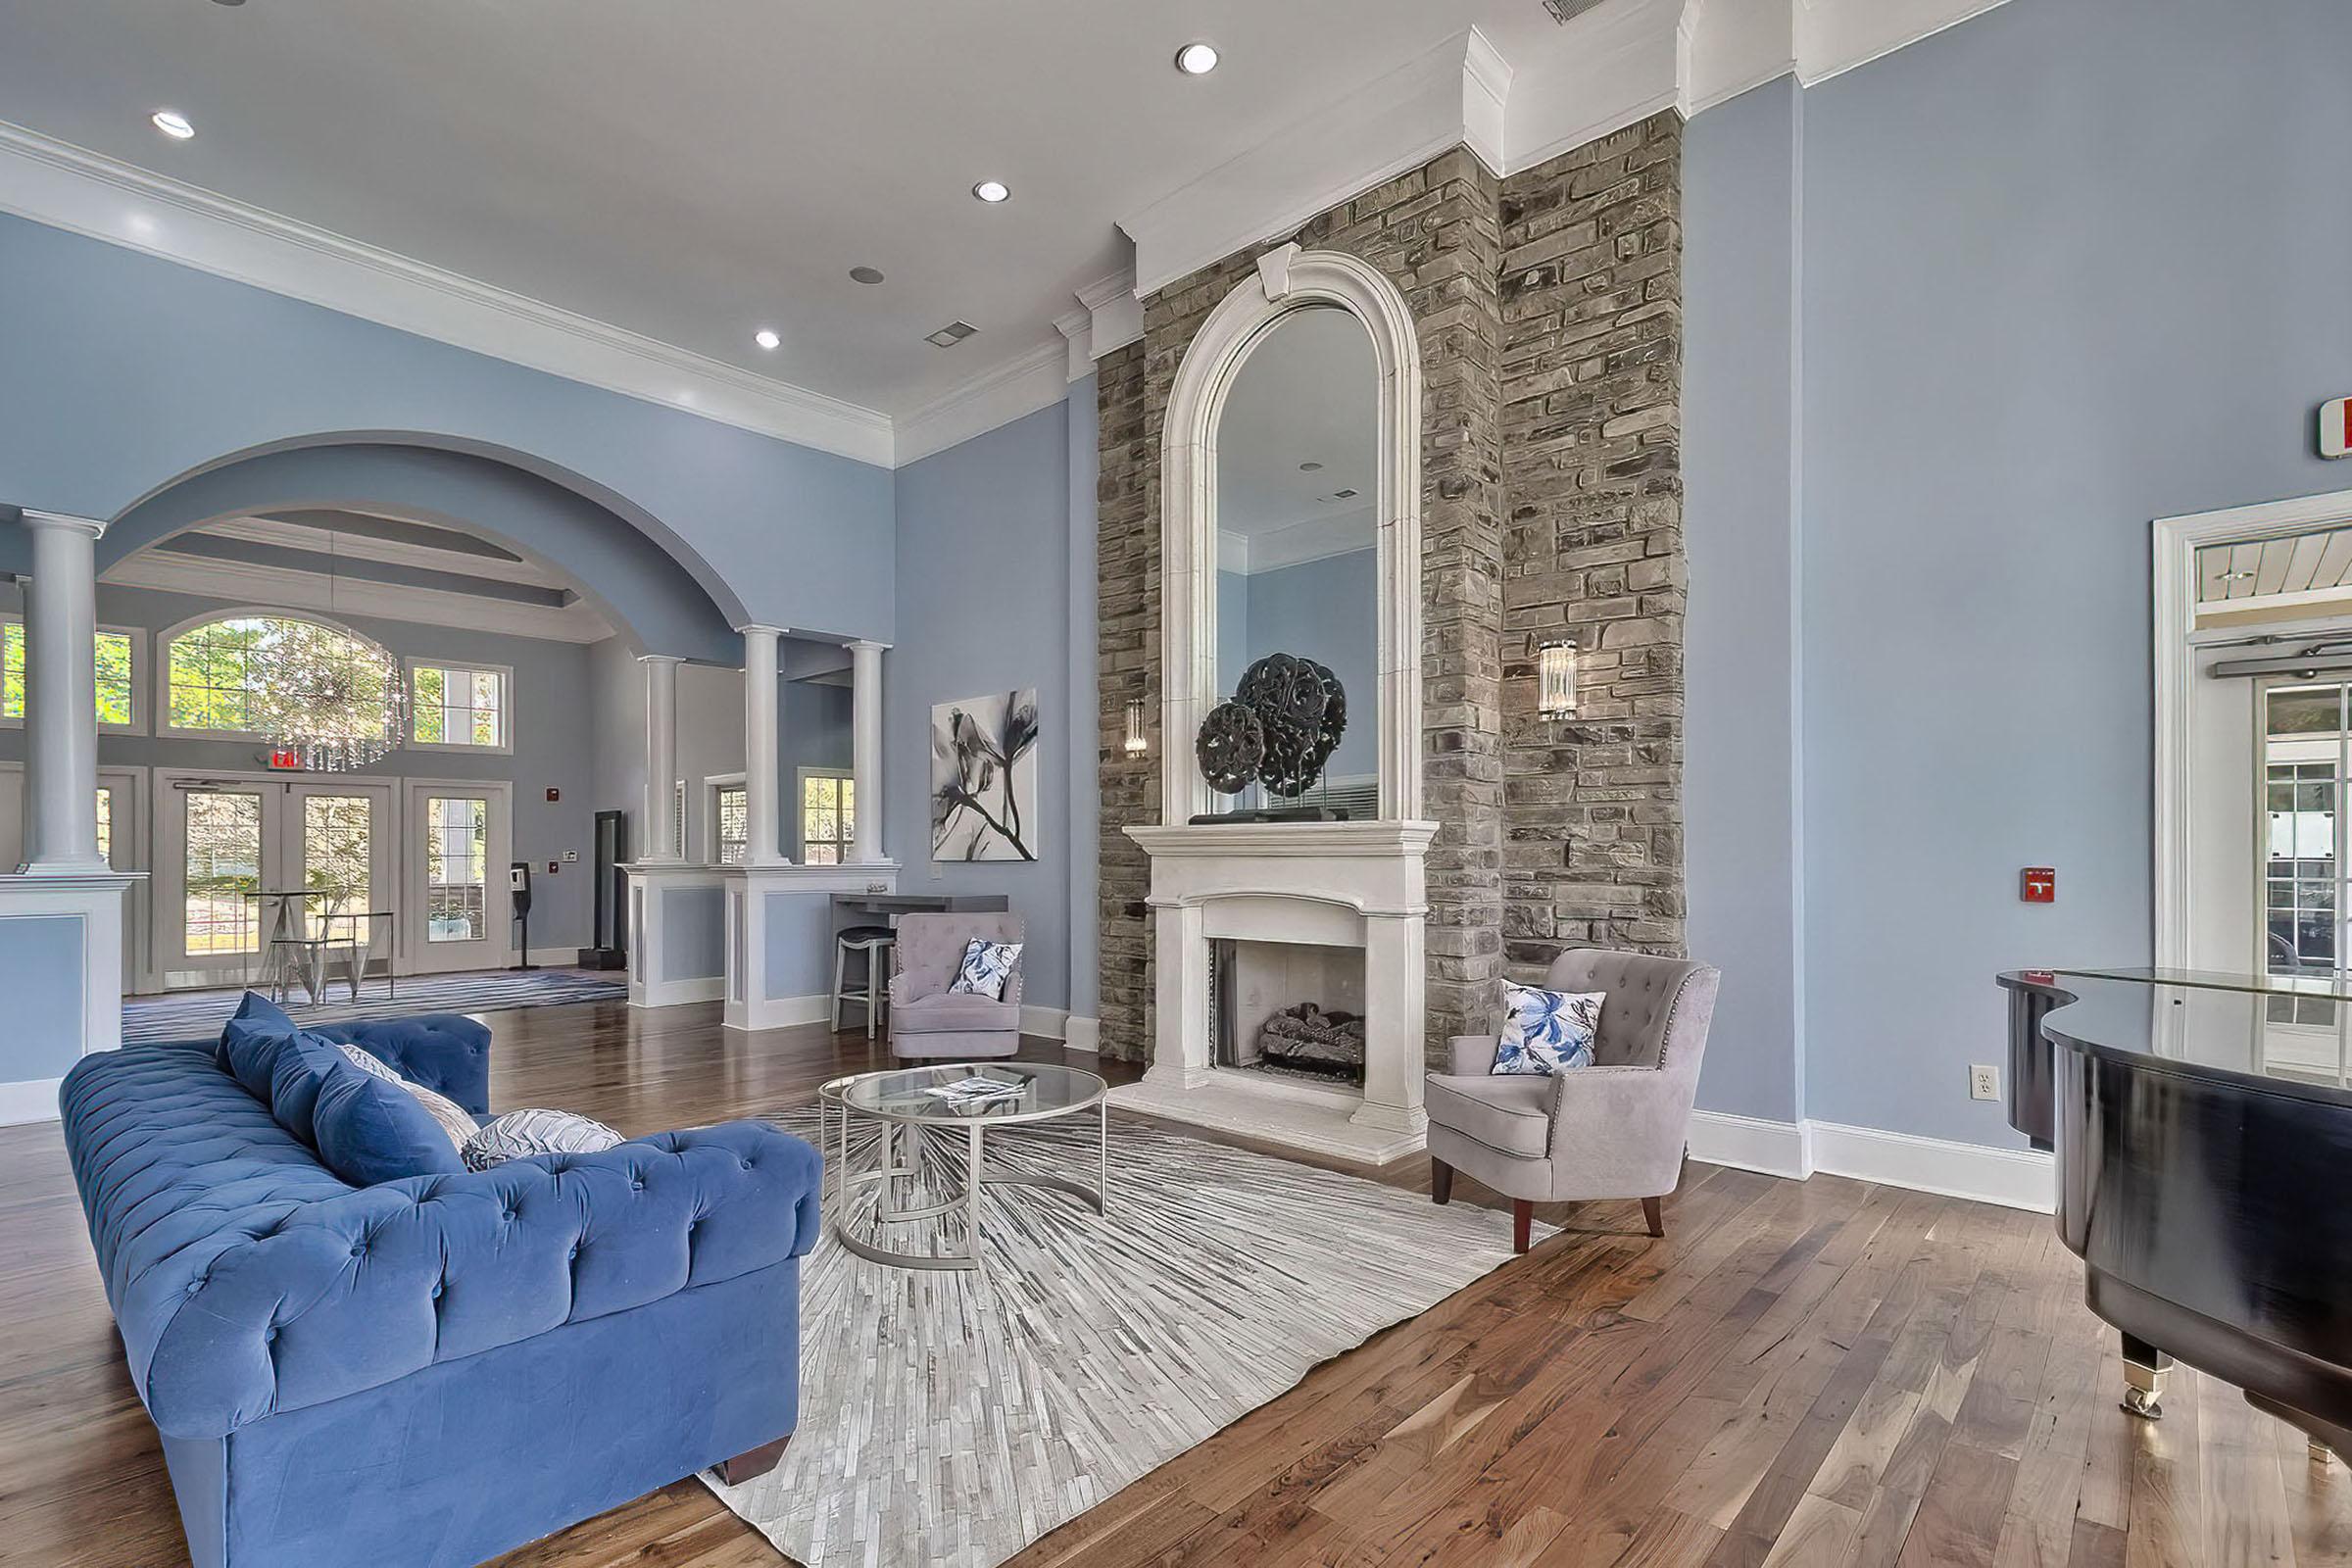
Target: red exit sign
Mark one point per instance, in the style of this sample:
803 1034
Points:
2335 428
286 760
2039 884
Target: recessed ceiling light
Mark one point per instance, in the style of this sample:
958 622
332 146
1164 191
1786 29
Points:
1196 59
991 191
1310 467
173 123
865 274
767 338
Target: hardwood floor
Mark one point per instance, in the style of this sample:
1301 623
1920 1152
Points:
1823 1373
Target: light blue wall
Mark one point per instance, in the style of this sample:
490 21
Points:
126 371
40 974
694 933
1741 763
983 588
799 944
2066 268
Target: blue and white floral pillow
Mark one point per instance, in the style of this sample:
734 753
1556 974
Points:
1547 1031
987 965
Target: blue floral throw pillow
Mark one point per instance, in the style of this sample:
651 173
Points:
987 965
1547 1031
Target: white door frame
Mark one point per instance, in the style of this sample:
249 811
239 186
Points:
2177 541
163 938
497 949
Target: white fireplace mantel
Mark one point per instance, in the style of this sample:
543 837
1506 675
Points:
1344 883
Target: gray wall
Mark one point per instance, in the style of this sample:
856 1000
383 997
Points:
983 586
126 371
552 748
2066 268
1084 454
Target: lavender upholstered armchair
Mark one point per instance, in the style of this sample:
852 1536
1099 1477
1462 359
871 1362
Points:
932 1022
1616 1129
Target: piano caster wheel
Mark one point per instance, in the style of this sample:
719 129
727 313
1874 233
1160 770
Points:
2147 1404
2144 1367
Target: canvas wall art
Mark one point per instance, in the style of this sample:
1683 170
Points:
984 778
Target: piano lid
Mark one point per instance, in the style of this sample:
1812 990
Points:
2289 1034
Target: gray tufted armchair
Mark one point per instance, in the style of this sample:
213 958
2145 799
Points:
1616 1129
927 1020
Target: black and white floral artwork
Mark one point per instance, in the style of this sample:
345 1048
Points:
984 778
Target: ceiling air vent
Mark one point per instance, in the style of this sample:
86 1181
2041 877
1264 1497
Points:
947 336
1565 11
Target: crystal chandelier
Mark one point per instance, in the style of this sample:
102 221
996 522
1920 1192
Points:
332 701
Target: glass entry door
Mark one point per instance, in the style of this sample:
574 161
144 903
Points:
243 863
456 873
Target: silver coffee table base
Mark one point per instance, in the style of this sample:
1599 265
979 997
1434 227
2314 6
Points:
896 1159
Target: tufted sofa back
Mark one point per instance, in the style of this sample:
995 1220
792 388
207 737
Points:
247 1279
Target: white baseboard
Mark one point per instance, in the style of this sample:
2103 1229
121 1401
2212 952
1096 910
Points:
782 1012
1081 1033
28 1100
1050 1023
673 993
1750 1143
2014 1178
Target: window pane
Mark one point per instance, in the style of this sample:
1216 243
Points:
2305 710
337 838
114 689
849 809
105 824
457 866
734 825
12 670
824 854
222 863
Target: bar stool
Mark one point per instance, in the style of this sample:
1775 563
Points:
874 943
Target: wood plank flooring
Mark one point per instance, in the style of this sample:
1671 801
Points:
1823 1373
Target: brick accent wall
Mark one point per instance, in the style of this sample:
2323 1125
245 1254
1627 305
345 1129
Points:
1505 301
1591 472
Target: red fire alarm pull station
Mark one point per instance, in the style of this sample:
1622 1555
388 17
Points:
2335 428
2039 884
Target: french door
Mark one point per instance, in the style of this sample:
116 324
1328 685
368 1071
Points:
242 861
454 876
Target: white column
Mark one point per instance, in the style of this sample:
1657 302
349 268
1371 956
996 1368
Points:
865 757
760 793
661 761
61 697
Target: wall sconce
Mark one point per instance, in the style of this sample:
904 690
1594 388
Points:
1556 678
1137 741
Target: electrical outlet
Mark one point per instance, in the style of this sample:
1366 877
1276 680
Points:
1983 1082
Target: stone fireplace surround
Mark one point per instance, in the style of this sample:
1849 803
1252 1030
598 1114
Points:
1546 310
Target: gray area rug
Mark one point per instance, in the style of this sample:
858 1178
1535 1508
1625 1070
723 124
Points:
199 1014
949 1419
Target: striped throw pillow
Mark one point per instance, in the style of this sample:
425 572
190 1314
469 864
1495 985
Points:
520 1134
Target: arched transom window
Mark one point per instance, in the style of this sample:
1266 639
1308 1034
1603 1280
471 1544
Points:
224 676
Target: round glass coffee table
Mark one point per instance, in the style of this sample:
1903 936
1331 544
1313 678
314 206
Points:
913 1102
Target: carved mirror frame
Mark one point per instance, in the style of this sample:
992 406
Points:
1290 279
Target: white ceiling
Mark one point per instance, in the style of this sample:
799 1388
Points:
692 174
1307 393
689 173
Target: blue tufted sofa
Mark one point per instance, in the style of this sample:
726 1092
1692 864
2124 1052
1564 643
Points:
430 1371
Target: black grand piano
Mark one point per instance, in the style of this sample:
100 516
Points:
2202 1125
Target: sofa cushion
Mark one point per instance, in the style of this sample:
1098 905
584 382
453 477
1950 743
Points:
372 1131
1510 1113
522 1134
305 1063
1547 1031
452 1117
249 1046
953 1011
986 966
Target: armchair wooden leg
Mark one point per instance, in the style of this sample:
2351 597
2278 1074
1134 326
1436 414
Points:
1523 1214
1441 1182
1649 1212
753 1463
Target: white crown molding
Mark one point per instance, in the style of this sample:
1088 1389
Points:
245 583
1077 329
1038 380
1316 538
390 552
1382 129
1833 36
1610 68
1117 311
71 188
1486 90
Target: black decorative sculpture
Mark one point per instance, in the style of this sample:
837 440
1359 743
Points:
1285 720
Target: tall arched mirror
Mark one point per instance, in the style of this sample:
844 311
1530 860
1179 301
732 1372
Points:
1296 553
